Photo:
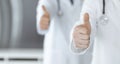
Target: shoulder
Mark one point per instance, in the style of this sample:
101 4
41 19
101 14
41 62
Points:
92 3
47 1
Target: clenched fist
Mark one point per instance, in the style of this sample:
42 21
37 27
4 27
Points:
45 19
81 34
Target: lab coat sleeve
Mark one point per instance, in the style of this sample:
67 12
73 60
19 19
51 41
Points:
88 7
40 12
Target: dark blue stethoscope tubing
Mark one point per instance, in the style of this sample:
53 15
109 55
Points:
59 7
104 4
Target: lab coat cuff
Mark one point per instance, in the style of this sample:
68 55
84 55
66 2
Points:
75 50
40 31
79 51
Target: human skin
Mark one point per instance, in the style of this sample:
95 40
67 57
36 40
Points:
45 19
81 33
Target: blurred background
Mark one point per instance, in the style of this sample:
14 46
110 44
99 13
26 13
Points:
19 41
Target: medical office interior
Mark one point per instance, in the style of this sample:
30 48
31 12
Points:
21 44
19 40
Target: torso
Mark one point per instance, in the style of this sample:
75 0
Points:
107 45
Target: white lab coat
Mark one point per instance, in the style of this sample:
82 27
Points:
106 38
56 42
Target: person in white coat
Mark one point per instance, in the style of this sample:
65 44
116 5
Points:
98 24
55 19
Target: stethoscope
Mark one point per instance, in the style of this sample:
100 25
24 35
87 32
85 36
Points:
60 12
104 19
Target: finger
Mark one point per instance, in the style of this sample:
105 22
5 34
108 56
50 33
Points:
46 15
83 31
44 19
83 37
86 19
44 23
84 42
80 40
87 22
44 27
79 27
82 46
44 8
81 34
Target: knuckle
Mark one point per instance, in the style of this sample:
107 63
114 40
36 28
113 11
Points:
86 46
87 36
87 42
77 46
44 27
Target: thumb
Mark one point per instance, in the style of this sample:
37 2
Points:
86 19
86 22
44 8
46 13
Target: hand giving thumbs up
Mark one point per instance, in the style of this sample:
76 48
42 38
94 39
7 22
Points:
45 19
81 34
